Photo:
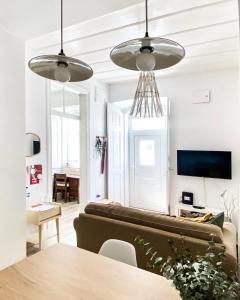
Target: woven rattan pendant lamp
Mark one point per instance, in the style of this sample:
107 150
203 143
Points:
147 54
60 67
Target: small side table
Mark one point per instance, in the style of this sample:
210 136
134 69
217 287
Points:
43 213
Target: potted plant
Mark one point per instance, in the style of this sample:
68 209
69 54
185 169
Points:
200 277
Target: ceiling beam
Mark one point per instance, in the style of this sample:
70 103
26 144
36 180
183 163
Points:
122 19
197 37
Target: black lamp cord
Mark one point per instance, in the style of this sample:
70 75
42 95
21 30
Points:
61 51
146 16
146 47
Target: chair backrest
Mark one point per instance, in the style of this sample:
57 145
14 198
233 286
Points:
119 250
61 178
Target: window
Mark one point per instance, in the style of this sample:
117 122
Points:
56 142
65 121
147 153
71 151
148 123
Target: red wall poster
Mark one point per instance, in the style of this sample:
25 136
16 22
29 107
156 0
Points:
35 174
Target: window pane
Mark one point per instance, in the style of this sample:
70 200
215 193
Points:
147 153
71 102
65 107
56 142
148 123
57 97
71 143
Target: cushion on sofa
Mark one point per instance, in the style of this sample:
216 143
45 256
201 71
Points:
156 220
218 220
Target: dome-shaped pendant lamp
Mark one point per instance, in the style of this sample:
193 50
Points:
60 67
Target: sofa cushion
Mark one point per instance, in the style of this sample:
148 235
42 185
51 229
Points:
156 220
218 220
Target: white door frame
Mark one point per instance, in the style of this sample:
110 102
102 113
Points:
126 158
84 141
118 171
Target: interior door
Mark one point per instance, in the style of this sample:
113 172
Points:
115 153
148 170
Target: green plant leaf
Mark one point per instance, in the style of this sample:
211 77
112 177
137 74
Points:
197 277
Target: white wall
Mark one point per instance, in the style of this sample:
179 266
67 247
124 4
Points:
213 126
12 136
98 128
36 122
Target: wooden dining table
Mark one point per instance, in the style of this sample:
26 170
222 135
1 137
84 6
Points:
64 272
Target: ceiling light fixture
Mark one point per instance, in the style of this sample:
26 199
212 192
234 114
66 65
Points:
60 67
147 54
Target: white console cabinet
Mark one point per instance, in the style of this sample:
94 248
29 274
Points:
181 206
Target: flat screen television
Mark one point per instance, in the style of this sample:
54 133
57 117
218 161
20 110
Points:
213 164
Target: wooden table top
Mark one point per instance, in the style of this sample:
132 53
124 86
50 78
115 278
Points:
68 273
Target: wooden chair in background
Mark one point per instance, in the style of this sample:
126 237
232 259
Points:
60 185
73 188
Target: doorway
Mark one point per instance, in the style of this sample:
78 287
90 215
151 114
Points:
67 140
138 158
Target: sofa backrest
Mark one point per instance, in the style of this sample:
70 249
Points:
156 220
92 231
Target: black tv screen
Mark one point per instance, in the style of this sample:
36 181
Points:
213 164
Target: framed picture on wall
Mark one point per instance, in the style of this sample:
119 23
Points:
35 174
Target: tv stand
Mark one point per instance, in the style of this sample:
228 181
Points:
181 206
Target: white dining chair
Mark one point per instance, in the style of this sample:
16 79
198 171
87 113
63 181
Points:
119 250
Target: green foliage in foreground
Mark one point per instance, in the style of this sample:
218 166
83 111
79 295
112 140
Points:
200 277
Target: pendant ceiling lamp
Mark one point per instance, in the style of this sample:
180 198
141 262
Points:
147 54
60 67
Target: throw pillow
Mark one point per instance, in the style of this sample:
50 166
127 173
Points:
217 220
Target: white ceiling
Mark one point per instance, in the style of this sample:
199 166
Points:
31 18
208 29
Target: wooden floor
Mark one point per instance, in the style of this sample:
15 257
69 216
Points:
67 232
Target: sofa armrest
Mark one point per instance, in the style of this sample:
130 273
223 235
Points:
230 239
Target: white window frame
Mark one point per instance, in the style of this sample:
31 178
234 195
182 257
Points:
63 114
85 111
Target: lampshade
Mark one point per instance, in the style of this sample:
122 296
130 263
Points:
147 53
165 53
48 65
60 67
